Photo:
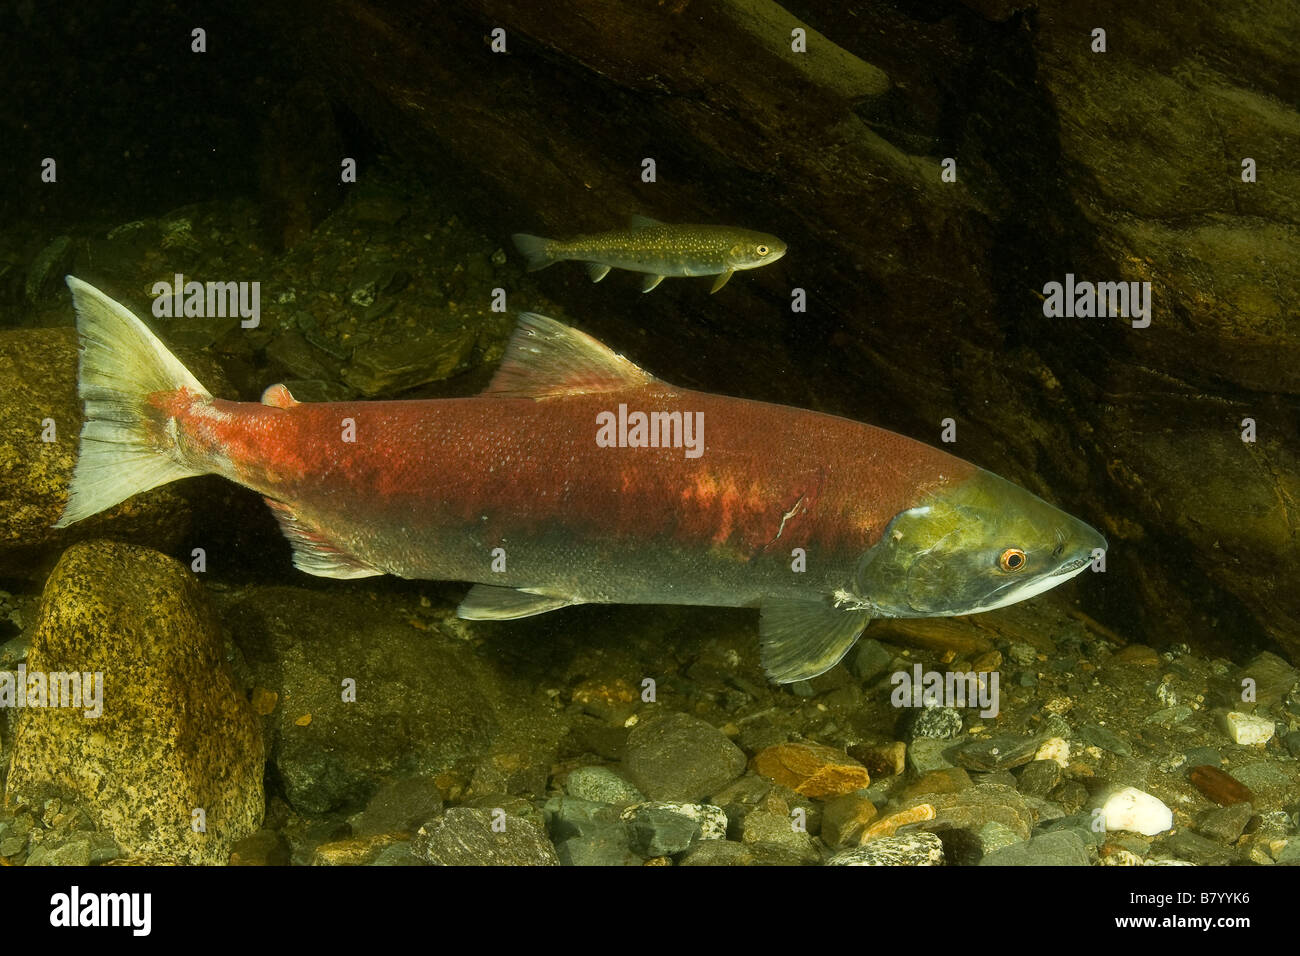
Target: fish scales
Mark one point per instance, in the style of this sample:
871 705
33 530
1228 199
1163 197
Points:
525 474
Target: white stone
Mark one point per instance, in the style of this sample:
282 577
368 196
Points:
1055 748
712 820
1136 811
1248 729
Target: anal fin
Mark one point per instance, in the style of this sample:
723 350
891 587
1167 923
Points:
487 602
312 552
801 639
597 270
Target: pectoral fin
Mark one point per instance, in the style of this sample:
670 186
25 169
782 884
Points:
650 282
801 639
722 280
485 602
597 271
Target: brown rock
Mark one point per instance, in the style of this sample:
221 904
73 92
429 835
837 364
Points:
939 781
845 819
813 770
1222 788
174 737
883 760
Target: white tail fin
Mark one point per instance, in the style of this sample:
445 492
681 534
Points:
122 364
533 248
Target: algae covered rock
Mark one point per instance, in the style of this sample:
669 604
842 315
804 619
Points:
161 749
356 695
40 422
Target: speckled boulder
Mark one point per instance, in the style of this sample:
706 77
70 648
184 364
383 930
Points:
175 735
38 401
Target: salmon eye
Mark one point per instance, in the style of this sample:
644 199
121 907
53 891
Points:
762 250
1012 559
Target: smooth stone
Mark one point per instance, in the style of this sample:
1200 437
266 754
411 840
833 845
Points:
601 785
1226 824
399 807
143 620
664 829
907 849
1105 739
869 660
681 758
1137 811
1248 729
1039 777
719 853
812 769
844 820
465 836
1059 848
934 723
927 754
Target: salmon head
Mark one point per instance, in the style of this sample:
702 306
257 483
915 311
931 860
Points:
976 545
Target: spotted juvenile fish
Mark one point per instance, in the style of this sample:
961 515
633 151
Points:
579 478
658 249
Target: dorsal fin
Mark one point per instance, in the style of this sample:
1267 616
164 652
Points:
279 396
547 359
642 222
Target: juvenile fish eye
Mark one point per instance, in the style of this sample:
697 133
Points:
1012 559
762 250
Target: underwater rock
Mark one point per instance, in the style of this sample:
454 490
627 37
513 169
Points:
1038 778
769 830
1248 729
664 829
971 808
38 401
1226 824
399 808
363 695
812 769
1060 848
466 836
175 737
908 849
601 785
933 723
845 819
682 758
263 848
1136 811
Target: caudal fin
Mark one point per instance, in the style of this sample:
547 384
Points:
533 249
123 452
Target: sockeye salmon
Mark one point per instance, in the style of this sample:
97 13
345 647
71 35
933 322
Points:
577 477
658 248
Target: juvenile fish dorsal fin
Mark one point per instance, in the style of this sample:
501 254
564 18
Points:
642 222
487 602
312 552
801 639
547 359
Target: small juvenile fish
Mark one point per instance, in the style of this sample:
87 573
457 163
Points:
659 249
